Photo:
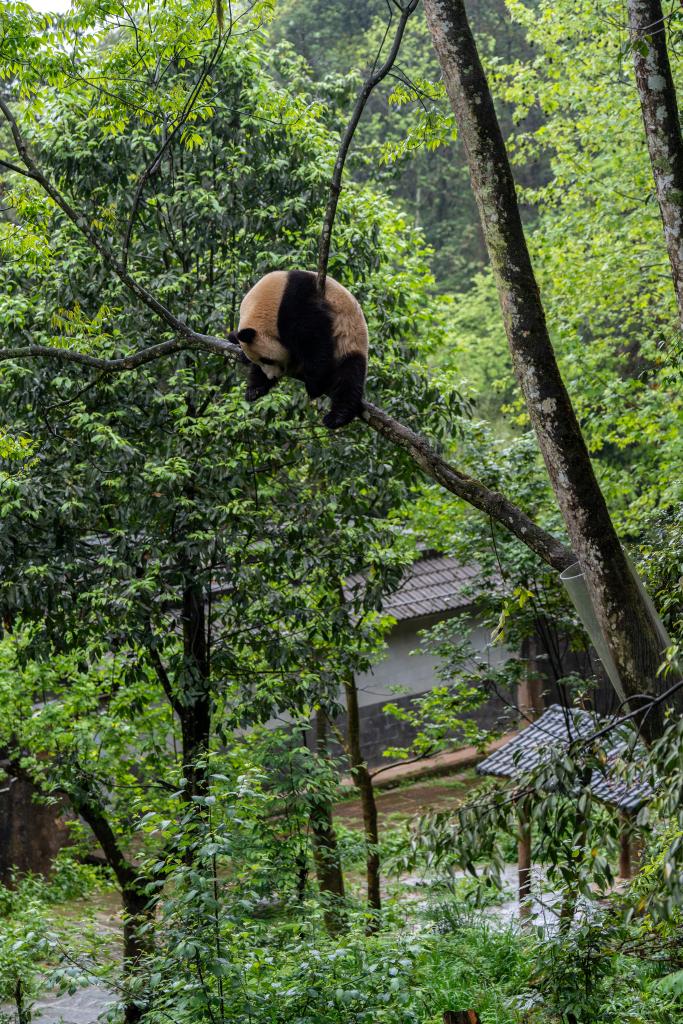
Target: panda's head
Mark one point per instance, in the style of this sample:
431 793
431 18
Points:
267 351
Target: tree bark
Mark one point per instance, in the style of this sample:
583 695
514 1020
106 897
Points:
620 609
524 866
23 1011
194 707
138 937
363 781
659 106
328 867
625 862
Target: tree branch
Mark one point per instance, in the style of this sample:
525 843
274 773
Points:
85 805
123 363
165 680
140 292
471 490
335 185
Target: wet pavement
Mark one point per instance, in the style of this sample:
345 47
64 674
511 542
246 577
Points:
83 1007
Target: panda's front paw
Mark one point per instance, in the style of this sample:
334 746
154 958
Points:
253 393
336 419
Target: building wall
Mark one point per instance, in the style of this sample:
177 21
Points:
415 674
412 675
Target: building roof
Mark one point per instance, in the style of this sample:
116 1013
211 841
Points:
433 584
555 730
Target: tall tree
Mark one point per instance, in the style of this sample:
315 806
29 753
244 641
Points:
659 107
180 529
622 613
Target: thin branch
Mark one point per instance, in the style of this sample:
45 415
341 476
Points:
651 703
335 185
141 293
13 167
165 680
123 363
397 764
169 137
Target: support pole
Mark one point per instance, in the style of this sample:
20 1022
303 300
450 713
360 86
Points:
625 865
524 866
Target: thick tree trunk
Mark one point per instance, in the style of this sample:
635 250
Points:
647 27
363 781
328 867
138 944
194 706
620 609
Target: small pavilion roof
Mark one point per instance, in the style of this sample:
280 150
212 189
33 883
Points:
555 730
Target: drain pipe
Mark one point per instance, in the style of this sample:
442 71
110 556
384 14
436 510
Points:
574 583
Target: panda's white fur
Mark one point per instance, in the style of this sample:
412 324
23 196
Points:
286 327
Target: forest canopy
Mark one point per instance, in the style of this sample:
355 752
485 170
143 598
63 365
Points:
192 585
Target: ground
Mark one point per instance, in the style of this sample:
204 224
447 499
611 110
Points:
407 800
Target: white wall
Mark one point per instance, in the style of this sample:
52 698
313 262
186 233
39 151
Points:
416 673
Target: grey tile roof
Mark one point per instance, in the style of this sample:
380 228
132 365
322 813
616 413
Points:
556 729
435 583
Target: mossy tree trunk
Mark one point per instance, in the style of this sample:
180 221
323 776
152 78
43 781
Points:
366 791
621 611
659 106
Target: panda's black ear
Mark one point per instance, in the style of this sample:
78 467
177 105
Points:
246 335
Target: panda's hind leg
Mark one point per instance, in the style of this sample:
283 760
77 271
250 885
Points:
258 384
346 391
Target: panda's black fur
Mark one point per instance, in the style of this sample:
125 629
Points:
287 327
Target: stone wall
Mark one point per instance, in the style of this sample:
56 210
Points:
31 834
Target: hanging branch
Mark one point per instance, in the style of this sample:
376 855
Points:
469 489
335 185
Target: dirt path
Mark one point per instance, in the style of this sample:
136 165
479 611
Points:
439 794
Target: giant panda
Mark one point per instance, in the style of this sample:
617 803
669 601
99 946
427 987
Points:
287 328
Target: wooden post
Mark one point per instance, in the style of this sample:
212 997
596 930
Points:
524 866
625 866
530 686
529 697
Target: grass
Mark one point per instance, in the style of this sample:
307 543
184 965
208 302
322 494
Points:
478 968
